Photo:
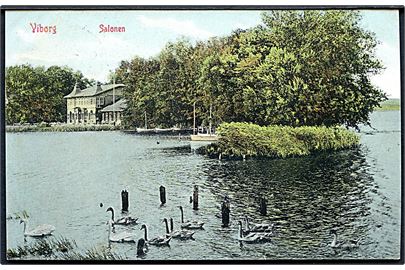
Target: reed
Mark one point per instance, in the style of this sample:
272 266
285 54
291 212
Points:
19 215
60 128
60 249
243 139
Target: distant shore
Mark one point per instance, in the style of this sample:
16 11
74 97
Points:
63 127
59 127
390 105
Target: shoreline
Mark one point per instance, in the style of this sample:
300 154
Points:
59 128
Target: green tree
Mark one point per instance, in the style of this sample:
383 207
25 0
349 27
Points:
164 86
35 94
297 68
303 68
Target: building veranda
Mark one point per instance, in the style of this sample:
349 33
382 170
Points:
98 104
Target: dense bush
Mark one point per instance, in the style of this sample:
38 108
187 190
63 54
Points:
238 139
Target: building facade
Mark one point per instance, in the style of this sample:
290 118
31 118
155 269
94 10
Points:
85 106
113 113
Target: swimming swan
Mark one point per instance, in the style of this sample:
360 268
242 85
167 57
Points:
123 220
190 224
39 231
252 237
178 234
259 227
157 241
343 245
120 237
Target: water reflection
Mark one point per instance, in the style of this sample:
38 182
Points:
306 198
356 192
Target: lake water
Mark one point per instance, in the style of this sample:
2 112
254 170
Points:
61 179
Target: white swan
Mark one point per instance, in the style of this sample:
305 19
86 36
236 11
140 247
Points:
343 245
127 220
157 241
258 227
195 224
178 234
120 237
39 231
252 237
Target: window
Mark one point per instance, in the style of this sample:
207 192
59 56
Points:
99 102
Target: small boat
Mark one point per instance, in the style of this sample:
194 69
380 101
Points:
204 137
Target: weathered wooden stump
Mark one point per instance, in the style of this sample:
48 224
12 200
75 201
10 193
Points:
225 210
162 191
140 247
195 198
124 200
263 206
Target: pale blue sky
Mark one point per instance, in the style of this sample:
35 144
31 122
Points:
78 43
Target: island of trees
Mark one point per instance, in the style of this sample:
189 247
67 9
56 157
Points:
296 69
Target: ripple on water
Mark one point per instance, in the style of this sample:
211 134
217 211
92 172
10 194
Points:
350 191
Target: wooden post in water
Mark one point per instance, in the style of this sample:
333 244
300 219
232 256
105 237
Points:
225 210
162 191
124 200
263 206
195 198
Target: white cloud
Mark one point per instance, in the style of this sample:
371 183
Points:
181 27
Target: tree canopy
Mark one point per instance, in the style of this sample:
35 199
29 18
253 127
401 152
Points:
296 68
35 94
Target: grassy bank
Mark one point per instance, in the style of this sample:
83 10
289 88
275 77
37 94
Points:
390 105
59 249
59 128
238 139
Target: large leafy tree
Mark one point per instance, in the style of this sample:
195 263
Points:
139 76
35 94
303 68
296 68
164 86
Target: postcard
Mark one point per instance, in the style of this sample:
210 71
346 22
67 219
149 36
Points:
202 134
